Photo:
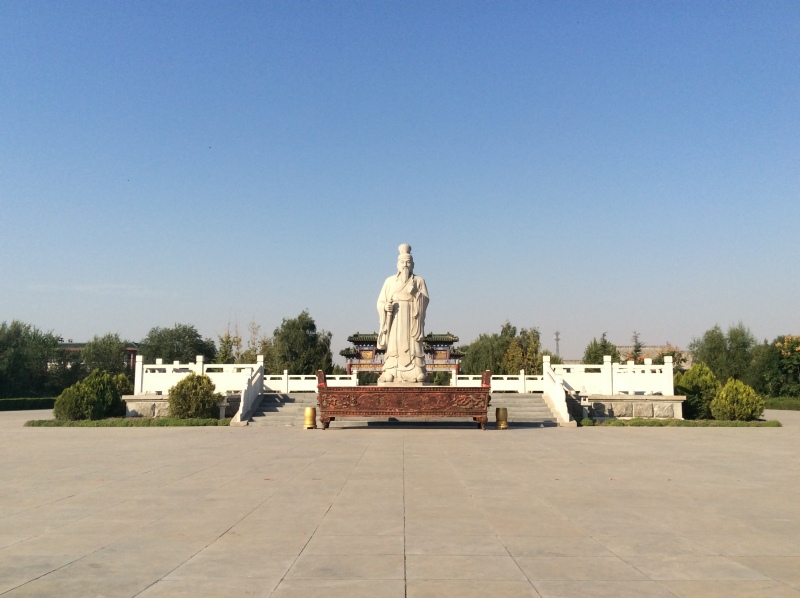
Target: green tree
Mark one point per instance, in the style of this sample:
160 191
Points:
64 370
514 359
181 343
764 373
737 401
700 386
296 345
25 357
108 353
729 355
257 345
488 352
636 353
230 347
506 352
678 359
597 349
788 347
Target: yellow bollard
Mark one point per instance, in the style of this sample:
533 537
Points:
501 418
310 418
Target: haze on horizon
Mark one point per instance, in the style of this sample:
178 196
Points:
573 166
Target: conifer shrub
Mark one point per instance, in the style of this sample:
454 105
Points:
194 396
737 401
700 386
97 396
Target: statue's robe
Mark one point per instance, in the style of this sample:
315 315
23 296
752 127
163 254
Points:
402 330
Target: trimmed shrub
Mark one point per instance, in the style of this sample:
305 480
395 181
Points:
737 401
194 396
587 422
95 397
700 386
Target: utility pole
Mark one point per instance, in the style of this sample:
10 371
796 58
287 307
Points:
558 338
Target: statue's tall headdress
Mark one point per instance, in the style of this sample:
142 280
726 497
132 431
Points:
404 250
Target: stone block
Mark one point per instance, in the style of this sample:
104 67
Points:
643 409
663 410
599 410
622 409
146 406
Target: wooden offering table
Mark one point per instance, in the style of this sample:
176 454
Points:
403 401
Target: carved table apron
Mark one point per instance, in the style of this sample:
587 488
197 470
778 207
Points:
401 401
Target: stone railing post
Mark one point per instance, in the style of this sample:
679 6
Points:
521 388
669 372
138 376
200 365
286 382
607 373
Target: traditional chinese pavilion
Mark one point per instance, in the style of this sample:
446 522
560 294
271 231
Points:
364 356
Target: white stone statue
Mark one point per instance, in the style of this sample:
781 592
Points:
401 308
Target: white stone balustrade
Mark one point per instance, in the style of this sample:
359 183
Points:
557 380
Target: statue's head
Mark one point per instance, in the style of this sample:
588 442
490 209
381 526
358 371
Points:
405 263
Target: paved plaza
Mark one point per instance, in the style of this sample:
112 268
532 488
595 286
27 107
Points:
404 511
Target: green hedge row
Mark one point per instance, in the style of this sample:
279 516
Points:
682 423
130 422
790 403
24 404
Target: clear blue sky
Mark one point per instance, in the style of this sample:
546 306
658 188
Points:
586 167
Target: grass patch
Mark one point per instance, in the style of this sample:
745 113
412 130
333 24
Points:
788 403
688 423
23 404
127 422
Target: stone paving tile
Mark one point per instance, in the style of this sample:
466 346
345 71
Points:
347 567
585 568
696 567
16 569
730 589
363 526
354 545
455 545
446 526
751 544
453 588
554 546
338 588
209 588
71 587
214 564
262 541
602 589
462 567
781 568
653 544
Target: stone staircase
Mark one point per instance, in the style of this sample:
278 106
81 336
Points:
283 410
524 410
528 410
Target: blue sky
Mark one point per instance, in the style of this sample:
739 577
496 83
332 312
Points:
577 166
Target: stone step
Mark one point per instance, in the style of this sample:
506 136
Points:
289 410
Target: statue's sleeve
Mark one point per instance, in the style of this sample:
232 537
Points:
420 309
382 318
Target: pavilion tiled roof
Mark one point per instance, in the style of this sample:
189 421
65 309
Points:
429 338
363 338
